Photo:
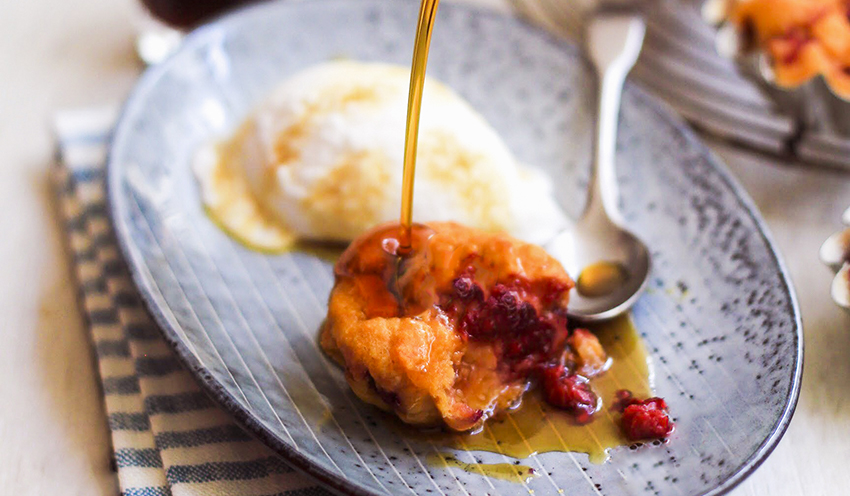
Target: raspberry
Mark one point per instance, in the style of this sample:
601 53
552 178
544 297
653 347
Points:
466 289
511 314
507 301
527 315
645 419
570 392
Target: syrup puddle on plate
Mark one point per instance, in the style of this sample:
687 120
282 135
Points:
512 472
536 427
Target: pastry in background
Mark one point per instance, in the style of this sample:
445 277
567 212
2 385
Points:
801 39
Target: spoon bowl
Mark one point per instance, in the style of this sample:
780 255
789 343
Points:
590 243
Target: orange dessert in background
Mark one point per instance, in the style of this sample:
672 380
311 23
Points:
802 38
456 330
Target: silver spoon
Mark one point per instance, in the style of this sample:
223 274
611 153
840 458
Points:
610 263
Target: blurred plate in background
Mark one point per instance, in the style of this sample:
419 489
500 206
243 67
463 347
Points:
679 64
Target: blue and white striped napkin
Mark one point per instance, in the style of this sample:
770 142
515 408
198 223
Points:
169 438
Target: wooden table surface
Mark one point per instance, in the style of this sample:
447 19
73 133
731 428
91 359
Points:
53 430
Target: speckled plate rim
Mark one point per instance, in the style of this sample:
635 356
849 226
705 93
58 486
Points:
663 111
152 298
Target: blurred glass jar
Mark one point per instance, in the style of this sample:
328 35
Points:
159 36
188 13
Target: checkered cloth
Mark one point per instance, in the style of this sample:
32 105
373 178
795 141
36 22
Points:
169 438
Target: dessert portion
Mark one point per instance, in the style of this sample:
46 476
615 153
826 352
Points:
320 160
452 332
459 328
801 38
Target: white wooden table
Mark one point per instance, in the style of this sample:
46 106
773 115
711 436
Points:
53 433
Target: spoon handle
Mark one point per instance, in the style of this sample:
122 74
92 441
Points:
614 40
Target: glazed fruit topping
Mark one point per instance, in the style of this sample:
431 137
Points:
570 392
643 419
466 289
514 316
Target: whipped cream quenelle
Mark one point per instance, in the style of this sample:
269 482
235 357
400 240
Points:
321 159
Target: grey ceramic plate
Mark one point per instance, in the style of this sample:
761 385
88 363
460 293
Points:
727 350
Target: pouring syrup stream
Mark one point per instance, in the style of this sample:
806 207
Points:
427 16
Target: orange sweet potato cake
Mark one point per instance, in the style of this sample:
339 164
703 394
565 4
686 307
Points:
456 330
